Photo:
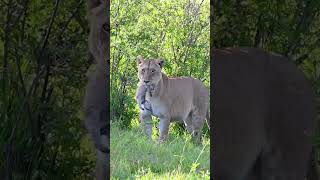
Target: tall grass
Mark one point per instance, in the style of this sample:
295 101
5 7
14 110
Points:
134 156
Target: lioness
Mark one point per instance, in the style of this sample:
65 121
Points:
264 116
183 99
96 98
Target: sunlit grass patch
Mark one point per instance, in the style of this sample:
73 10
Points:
134 156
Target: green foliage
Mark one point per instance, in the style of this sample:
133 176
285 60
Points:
41 91
177 31
134 156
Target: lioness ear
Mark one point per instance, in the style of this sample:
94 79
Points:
160 62
140 60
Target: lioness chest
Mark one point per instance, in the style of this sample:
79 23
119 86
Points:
159 108
176 102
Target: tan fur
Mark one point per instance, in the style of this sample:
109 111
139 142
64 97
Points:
97 41
95 101
182 99
264 116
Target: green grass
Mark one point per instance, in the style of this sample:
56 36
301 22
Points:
134 156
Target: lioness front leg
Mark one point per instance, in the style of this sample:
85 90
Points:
188 123
102 171
146 121
198 122
164 128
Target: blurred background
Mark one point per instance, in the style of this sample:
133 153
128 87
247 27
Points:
289 27
44 60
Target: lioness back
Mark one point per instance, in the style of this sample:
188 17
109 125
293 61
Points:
185 94
201 96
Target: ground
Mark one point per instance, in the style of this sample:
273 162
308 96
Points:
134 156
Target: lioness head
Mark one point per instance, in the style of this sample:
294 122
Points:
149 71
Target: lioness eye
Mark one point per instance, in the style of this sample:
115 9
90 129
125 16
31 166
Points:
105 27
153 70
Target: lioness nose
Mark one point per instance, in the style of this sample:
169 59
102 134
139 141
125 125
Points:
146 82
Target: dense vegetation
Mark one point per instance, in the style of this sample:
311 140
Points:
44 59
